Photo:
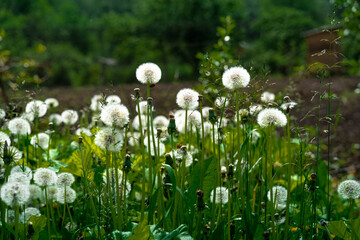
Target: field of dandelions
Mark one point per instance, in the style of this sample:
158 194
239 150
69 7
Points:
194 174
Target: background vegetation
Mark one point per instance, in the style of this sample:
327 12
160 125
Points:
87 42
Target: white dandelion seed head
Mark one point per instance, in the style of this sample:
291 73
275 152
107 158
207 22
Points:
160 122
2 114
52 102
28 116
56 119
41 139
235 78
136 123
219 102
37 107
194 118
279 221
4 138
19 169
112 176
28 212
134 138
160 147
109 139
271 116
288 105
148 73
13 152
113 99
279 194
205 112
138 196
45 177
52 193
35 193
207 128
188 158
19 126
349 189
255 109
143 105
187 99
115 115
19 177
69 117
221 195
66 194
15 194
65 179
83 131
267 97
96 103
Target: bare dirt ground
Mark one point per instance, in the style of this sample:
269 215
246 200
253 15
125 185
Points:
345 139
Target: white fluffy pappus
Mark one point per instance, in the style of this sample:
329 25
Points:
45 177
187 99
4 138
113 99
271 117
288 106
96 103
15 194
235 78
255 109
205 112
349 189
52 102
221 195
115 115
160 122
136 122
56 119
267 97
41 139
143 107
27 213
26 170
12 152
69 116
109 139
65 179
65 194
83 131
219 102
279 194
19 126
148 73
2 114
36 107
19 177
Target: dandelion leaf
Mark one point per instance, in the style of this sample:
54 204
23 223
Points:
141 232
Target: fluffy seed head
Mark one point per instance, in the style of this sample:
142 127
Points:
115 115
136 123
15 194
56 119
52 193
187 99
271 116
13 154
255 109
219 102
113 99
19 177
45 177
52 102
205 111
267 97
69 117
221 195
2 114
148 73
143 107
4 138
235 78
35 193
109 139
19 126
41 139
26 170
349 189
66 194
65 179
28 116
288 105
96 104
279 194
36 107
160 122
112 176
30 211
81 131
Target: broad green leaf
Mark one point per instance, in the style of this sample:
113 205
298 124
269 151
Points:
38 223
141 232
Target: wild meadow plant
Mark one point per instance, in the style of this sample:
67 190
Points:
236 168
